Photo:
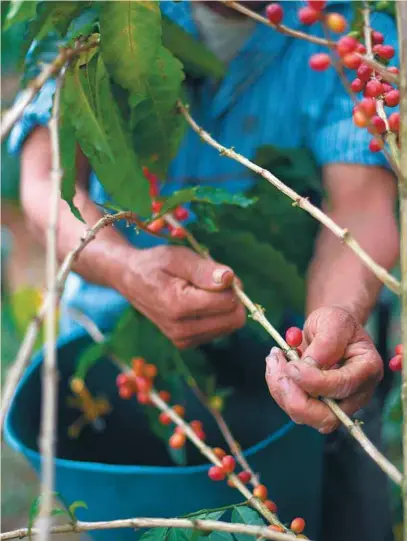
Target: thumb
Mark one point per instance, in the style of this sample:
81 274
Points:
328 331
204 273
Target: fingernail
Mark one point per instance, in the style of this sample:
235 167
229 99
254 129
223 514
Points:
272 361
219 275
293 371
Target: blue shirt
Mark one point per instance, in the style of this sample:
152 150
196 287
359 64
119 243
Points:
269 96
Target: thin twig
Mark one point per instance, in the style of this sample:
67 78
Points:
343 234
135 523
391 78
15 372
10 117
257 314
401 8
49 379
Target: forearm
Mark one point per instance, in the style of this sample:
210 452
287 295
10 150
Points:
103 258
337 277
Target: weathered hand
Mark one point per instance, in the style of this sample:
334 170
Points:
339 361
189 298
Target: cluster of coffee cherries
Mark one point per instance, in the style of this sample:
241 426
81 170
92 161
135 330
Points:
160 225
350 53
308 15
396 363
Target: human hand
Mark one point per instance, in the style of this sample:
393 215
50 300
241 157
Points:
339 361
188 297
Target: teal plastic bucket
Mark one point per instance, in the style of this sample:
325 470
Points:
124 471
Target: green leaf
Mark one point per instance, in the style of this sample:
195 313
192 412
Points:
130 40
196 58
67 144
206 194
74 506
20 11
89 358
184 534
157 125
246 515
36 508
155 534
54 16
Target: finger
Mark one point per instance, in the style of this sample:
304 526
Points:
291 398
349 406
335 383
202 273
185 301
190 333
328 331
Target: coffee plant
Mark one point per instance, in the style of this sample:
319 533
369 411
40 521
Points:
122 72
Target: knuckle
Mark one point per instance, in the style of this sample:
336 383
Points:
240 317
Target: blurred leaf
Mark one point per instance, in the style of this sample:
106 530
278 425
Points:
130 40
155 534
36 508
20 11
246 515
25 303
196 58
88 358
74 506
206 194
156 124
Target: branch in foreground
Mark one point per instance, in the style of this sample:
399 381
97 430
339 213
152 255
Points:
190 524
24 353
343 234
11 116
49 381
257 314
401 8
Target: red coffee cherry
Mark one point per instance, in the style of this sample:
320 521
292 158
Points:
384 51
276 528
293 337
260 492
216 474
143 384
393 69
228 464
377 37
394 122
177 440
319 5
392 98
396 363
373 88
399 349
164 418
368 106
352 61
360 119
245 476
274 13
361 49
357 85
156 206
271 506
379 124
198 429
137 364
178 233
125 392
179 410
387 87
364 72
144 399
150 371
336 22
157 225
308 15
121 380
181 214
218 452
376 145
297 525
165 396
346 45
320 61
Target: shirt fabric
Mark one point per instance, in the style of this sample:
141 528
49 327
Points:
269 96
